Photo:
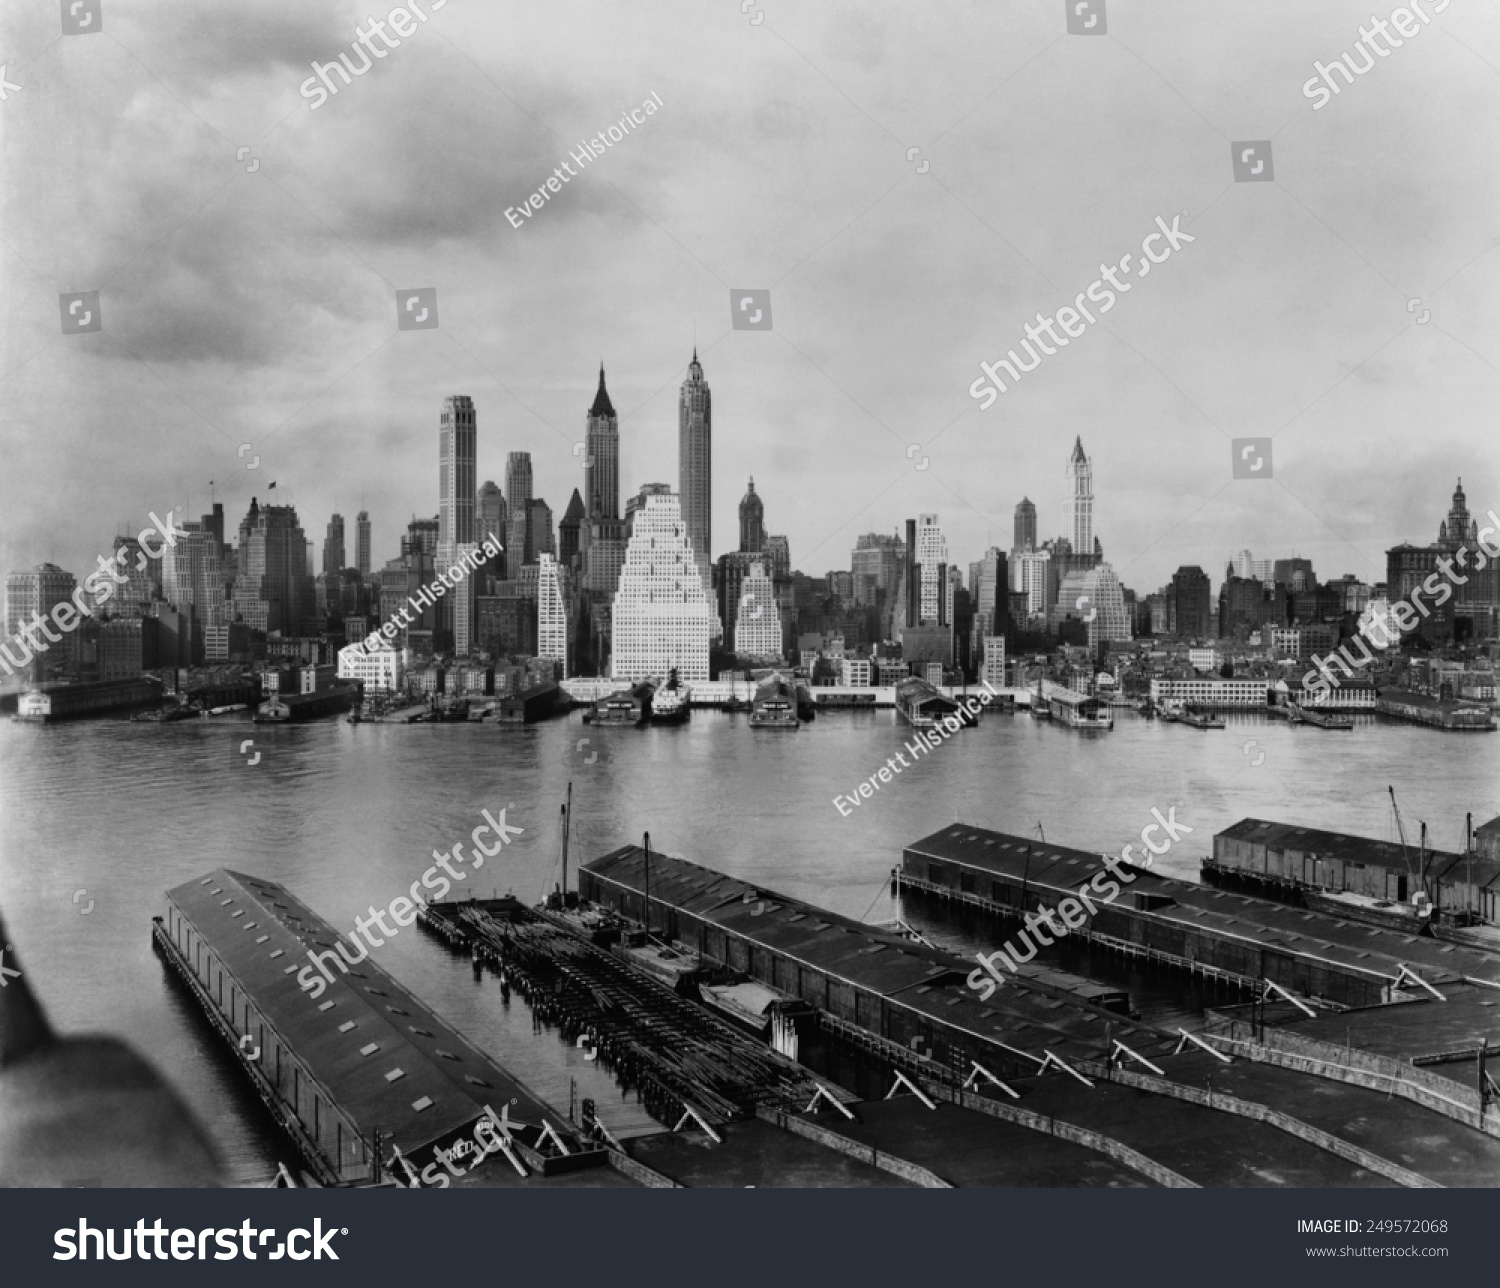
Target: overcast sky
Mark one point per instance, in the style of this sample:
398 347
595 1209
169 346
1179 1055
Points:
259 307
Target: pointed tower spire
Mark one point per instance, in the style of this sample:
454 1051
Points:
602 406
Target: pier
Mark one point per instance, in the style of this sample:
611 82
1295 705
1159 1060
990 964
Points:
1171 1108
1237 938
364 1078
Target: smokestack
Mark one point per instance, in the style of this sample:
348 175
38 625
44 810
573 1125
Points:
942 581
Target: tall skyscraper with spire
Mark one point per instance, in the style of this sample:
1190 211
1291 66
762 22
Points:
1078 501
601 540
695 464
601 471
752 522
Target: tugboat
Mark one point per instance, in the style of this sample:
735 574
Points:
451 711
669 705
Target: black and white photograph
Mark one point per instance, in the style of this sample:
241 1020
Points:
748 595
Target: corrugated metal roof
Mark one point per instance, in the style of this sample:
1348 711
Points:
1372 951
361 1030
927 980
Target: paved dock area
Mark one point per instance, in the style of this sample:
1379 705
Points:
1390 1127
759 1154
1210 1147
969 1149
1410 1031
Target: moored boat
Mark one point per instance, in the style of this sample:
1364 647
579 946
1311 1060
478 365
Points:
1412 918
669 705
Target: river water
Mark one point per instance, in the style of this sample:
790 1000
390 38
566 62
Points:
348 816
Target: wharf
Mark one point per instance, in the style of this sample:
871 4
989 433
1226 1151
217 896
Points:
1238 938
677 1052
1132 1094
363 1079
1420 708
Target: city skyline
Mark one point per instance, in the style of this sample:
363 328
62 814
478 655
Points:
601 432
307 368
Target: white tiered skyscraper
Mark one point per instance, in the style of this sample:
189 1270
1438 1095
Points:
663 617
757 624
551 612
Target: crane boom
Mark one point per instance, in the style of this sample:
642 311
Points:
1401 832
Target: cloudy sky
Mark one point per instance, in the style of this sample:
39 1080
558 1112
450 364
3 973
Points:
257 306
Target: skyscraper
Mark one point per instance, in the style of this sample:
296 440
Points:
37 591
274 589
333 548
695 464
990 597
1094 596
551 613
570 530
542 540
519 549
601 471
1031 574
932 555
193 583
457 446
1025 526
876 565
456 495
662 617
752 522
757 625
1247 567
601 536
489 517
1078 502
362 544
1190 605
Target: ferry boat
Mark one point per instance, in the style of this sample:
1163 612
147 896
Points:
1079 710
670 703
1411 918
775 705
